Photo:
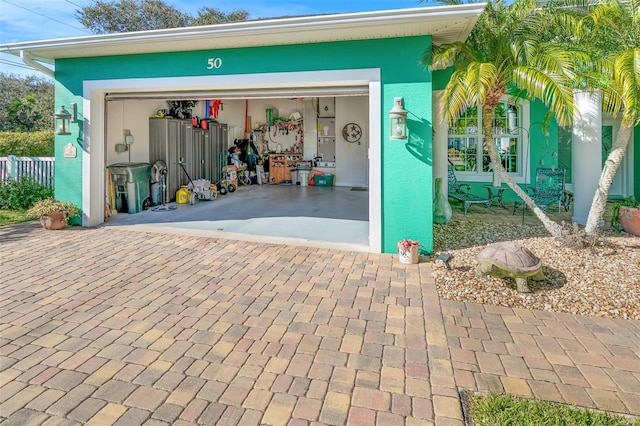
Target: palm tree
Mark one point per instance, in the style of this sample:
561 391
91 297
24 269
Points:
499 58
613 27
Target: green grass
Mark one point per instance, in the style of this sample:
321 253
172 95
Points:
498 410
9 217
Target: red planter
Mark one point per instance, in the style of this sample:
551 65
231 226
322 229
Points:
630 220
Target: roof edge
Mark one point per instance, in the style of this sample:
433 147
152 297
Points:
258 27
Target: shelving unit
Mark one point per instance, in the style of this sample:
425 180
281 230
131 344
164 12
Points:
281 165
327 138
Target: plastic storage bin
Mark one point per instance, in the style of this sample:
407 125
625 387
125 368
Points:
131 184
324 180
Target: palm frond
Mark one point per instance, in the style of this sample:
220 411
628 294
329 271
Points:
456 98
555 61
627 75
480 78
611 100
552 90
444 56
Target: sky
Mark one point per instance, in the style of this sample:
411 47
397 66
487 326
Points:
29 20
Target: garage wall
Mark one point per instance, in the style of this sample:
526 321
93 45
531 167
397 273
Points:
134 116
351 167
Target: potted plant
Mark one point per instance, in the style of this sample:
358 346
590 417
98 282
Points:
53 214
408 251
626 215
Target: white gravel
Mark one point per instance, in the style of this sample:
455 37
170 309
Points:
601 280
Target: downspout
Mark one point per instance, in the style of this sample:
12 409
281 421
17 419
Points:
28 60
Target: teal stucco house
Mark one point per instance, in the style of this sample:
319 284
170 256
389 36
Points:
346 67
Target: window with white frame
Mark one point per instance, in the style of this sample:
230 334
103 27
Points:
465 141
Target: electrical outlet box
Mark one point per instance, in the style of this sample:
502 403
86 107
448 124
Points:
120 147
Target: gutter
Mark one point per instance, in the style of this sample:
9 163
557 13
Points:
262 27
28 60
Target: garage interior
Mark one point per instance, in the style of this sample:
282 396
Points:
310 186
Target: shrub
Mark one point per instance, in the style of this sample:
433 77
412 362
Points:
22 194
27 144
50 205
615 216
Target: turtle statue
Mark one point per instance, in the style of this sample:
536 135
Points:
508 259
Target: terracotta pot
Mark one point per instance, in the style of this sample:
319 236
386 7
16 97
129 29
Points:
54 221
630 220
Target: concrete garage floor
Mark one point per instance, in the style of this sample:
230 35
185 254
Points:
335 217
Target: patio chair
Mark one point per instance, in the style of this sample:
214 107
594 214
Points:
549 189
460 192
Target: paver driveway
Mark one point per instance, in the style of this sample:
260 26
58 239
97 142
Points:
108 326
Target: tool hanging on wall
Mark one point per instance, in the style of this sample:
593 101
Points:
215 107
246 115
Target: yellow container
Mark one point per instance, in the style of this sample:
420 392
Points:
182 195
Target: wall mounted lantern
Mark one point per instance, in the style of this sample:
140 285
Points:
398 120
64 117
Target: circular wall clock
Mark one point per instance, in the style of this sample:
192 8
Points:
352 132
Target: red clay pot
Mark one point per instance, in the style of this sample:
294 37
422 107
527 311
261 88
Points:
54 221
630 220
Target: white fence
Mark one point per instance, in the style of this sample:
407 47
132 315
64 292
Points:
40 169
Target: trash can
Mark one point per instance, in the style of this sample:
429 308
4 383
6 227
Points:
304 177
131 186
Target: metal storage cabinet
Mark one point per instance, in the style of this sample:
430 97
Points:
195 154
218 134
167 142
172 140
186 152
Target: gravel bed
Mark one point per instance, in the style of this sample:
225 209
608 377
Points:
601 280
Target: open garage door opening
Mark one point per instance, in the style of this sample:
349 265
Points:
288 166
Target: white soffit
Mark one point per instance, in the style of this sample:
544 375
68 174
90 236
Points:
445 23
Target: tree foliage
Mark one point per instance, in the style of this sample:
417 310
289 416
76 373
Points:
26 103
547 51
500 58
608 31
611 30
209 16
27 144
104 17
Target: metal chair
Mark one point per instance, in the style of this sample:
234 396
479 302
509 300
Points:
460 192
549 189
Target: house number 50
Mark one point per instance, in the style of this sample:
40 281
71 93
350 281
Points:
214 63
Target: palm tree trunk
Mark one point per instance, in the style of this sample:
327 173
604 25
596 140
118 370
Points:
487 114
606 178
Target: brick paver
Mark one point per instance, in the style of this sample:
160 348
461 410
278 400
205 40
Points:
121 327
